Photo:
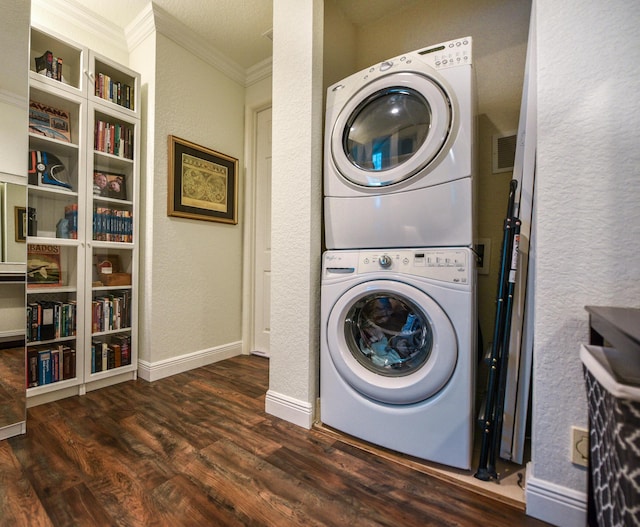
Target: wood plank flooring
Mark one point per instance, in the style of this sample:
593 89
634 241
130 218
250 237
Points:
198 449
12 379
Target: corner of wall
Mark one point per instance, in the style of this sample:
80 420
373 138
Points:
293 410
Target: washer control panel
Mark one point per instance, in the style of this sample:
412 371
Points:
447 265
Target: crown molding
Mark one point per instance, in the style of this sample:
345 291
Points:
151 19
140 28
183 36
259 71
83 18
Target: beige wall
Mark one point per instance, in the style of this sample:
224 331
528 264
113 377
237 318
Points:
194 293
587 195
14 36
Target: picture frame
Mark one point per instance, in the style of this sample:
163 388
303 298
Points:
109 185
44 266
21 224
203 183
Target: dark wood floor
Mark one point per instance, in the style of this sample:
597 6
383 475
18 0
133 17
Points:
12 385
198 449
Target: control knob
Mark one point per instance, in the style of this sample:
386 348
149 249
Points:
385 261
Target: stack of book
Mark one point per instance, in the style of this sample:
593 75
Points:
111 312
109 355
114 91
51 320
46 365
112 225
114 138
49 66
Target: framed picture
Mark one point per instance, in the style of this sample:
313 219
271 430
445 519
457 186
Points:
43 266
203 184
21 224
109 185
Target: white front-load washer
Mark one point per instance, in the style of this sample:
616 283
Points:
398 154
397 350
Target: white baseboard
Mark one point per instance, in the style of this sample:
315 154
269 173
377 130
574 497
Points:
13 430
554 504
293 410
152 371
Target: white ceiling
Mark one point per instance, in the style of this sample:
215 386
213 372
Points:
236 28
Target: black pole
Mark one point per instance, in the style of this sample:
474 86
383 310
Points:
485 472
504 359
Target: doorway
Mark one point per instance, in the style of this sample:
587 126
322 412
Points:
259 221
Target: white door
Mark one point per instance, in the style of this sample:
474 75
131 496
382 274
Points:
262 249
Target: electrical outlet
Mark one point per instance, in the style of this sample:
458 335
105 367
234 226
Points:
579 446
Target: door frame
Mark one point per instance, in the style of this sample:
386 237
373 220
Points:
249 231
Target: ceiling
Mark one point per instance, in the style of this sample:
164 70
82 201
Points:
236 28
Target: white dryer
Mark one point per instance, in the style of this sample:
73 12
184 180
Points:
397 354
398 157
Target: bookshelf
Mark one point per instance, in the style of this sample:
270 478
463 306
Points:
83 196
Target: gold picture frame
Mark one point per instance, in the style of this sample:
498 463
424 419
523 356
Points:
21 224
203 183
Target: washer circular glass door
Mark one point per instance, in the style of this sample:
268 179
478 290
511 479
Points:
391 342
391 129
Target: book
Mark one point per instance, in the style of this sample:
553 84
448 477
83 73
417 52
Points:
48 326
49 66
44 366
55 364
104 357
49 121
43 266
96 356
115 91
68 363
32 368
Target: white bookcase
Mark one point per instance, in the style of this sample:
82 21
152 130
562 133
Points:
94 229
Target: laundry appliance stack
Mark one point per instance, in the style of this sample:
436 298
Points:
398 301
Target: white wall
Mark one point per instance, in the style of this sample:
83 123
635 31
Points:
196 282
14 147
143 60
14 60
587 196
296 209
339 53
14 37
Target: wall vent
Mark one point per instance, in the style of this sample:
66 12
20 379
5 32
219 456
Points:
504 152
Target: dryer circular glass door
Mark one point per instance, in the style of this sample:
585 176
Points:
391 129
391 342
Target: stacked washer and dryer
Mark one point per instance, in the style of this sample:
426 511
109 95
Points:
398 301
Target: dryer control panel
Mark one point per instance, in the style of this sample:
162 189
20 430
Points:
448 54
447 265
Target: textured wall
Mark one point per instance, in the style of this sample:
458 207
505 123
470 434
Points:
587 192
296 198
143 60
195 292
15 36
